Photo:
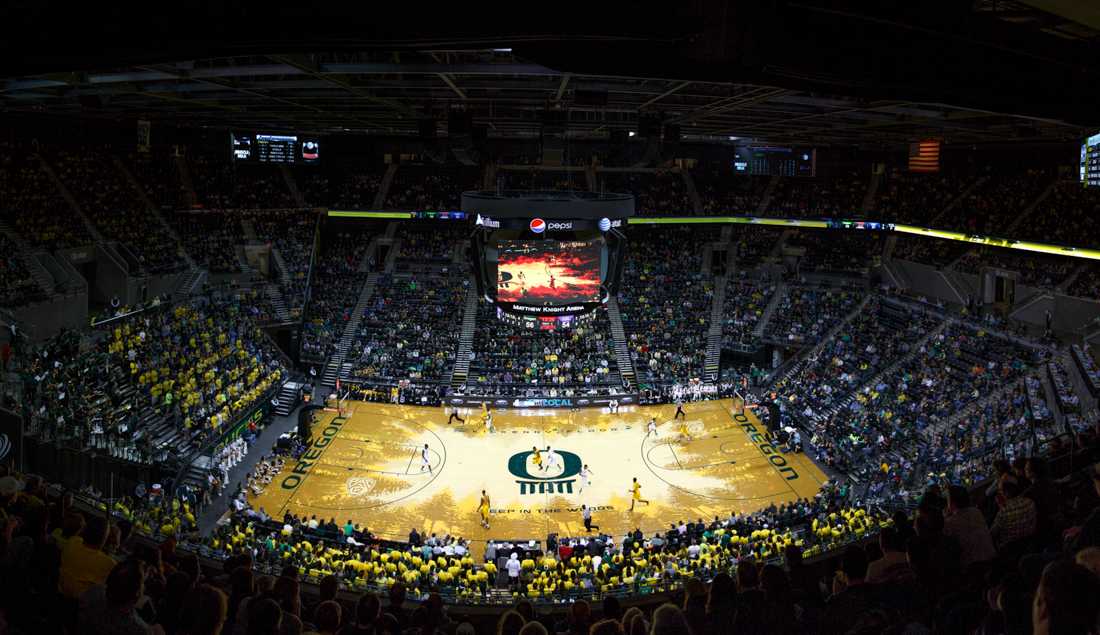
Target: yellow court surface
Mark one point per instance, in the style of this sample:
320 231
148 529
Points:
368 467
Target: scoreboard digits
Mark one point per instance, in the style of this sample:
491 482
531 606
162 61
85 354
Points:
274 148
1090 161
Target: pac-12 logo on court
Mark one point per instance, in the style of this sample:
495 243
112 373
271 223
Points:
538 225
551 477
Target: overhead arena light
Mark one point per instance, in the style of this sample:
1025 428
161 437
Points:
632 133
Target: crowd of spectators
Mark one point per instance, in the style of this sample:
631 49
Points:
1034 269
410 329
158 176
896 428
429 187
339 187
542 180
32 203
914 198
948 567
211 238
222 184
840 196
17 286
806 314
851 252
992 206
879 335
293 233
511 360
657 193
752 244
723 193
665 302
109 200
1087 283
430 244
1067 216
931 251
744 305
196 365
337 282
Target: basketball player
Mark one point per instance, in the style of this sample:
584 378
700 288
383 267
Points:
685 434
679 409
536 458
425 459
483 509
454 416
613 406
553 459
636 494
586 477
652 430
488 419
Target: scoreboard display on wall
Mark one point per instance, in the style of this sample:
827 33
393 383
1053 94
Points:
1090 161
275 148
775 160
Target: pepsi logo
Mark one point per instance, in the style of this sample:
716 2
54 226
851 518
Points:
538 225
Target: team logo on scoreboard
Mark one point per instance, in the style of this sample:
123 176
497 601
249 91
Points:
538 225
555 471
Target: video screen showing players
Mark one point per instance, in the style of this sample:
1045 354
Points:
548 272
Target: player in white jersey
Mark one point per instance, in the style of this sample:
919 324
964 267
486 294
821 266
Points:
488 418
652 430
553 459
586 477
425 459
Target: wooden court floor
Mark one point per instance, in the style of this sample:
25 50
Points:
367 467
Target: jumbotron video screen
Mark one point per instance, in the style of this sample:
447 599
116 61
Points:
548 272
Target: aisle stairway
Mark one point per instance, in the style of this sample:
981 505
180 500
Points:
693 192
70 199
762 323
957 201
190 282
1026 211
292 186
712 365
288 398
872 191
184 173
37 271
622 349
336 366
278 303
384 186
766 198
461 370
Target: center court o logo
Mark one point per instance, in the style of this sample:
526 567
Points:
531 484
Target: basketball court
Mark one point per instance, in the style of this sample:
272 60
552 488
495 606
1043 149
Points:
368 466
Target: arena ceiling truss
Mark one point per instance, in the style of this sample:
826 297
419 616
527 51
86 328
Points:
391 93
